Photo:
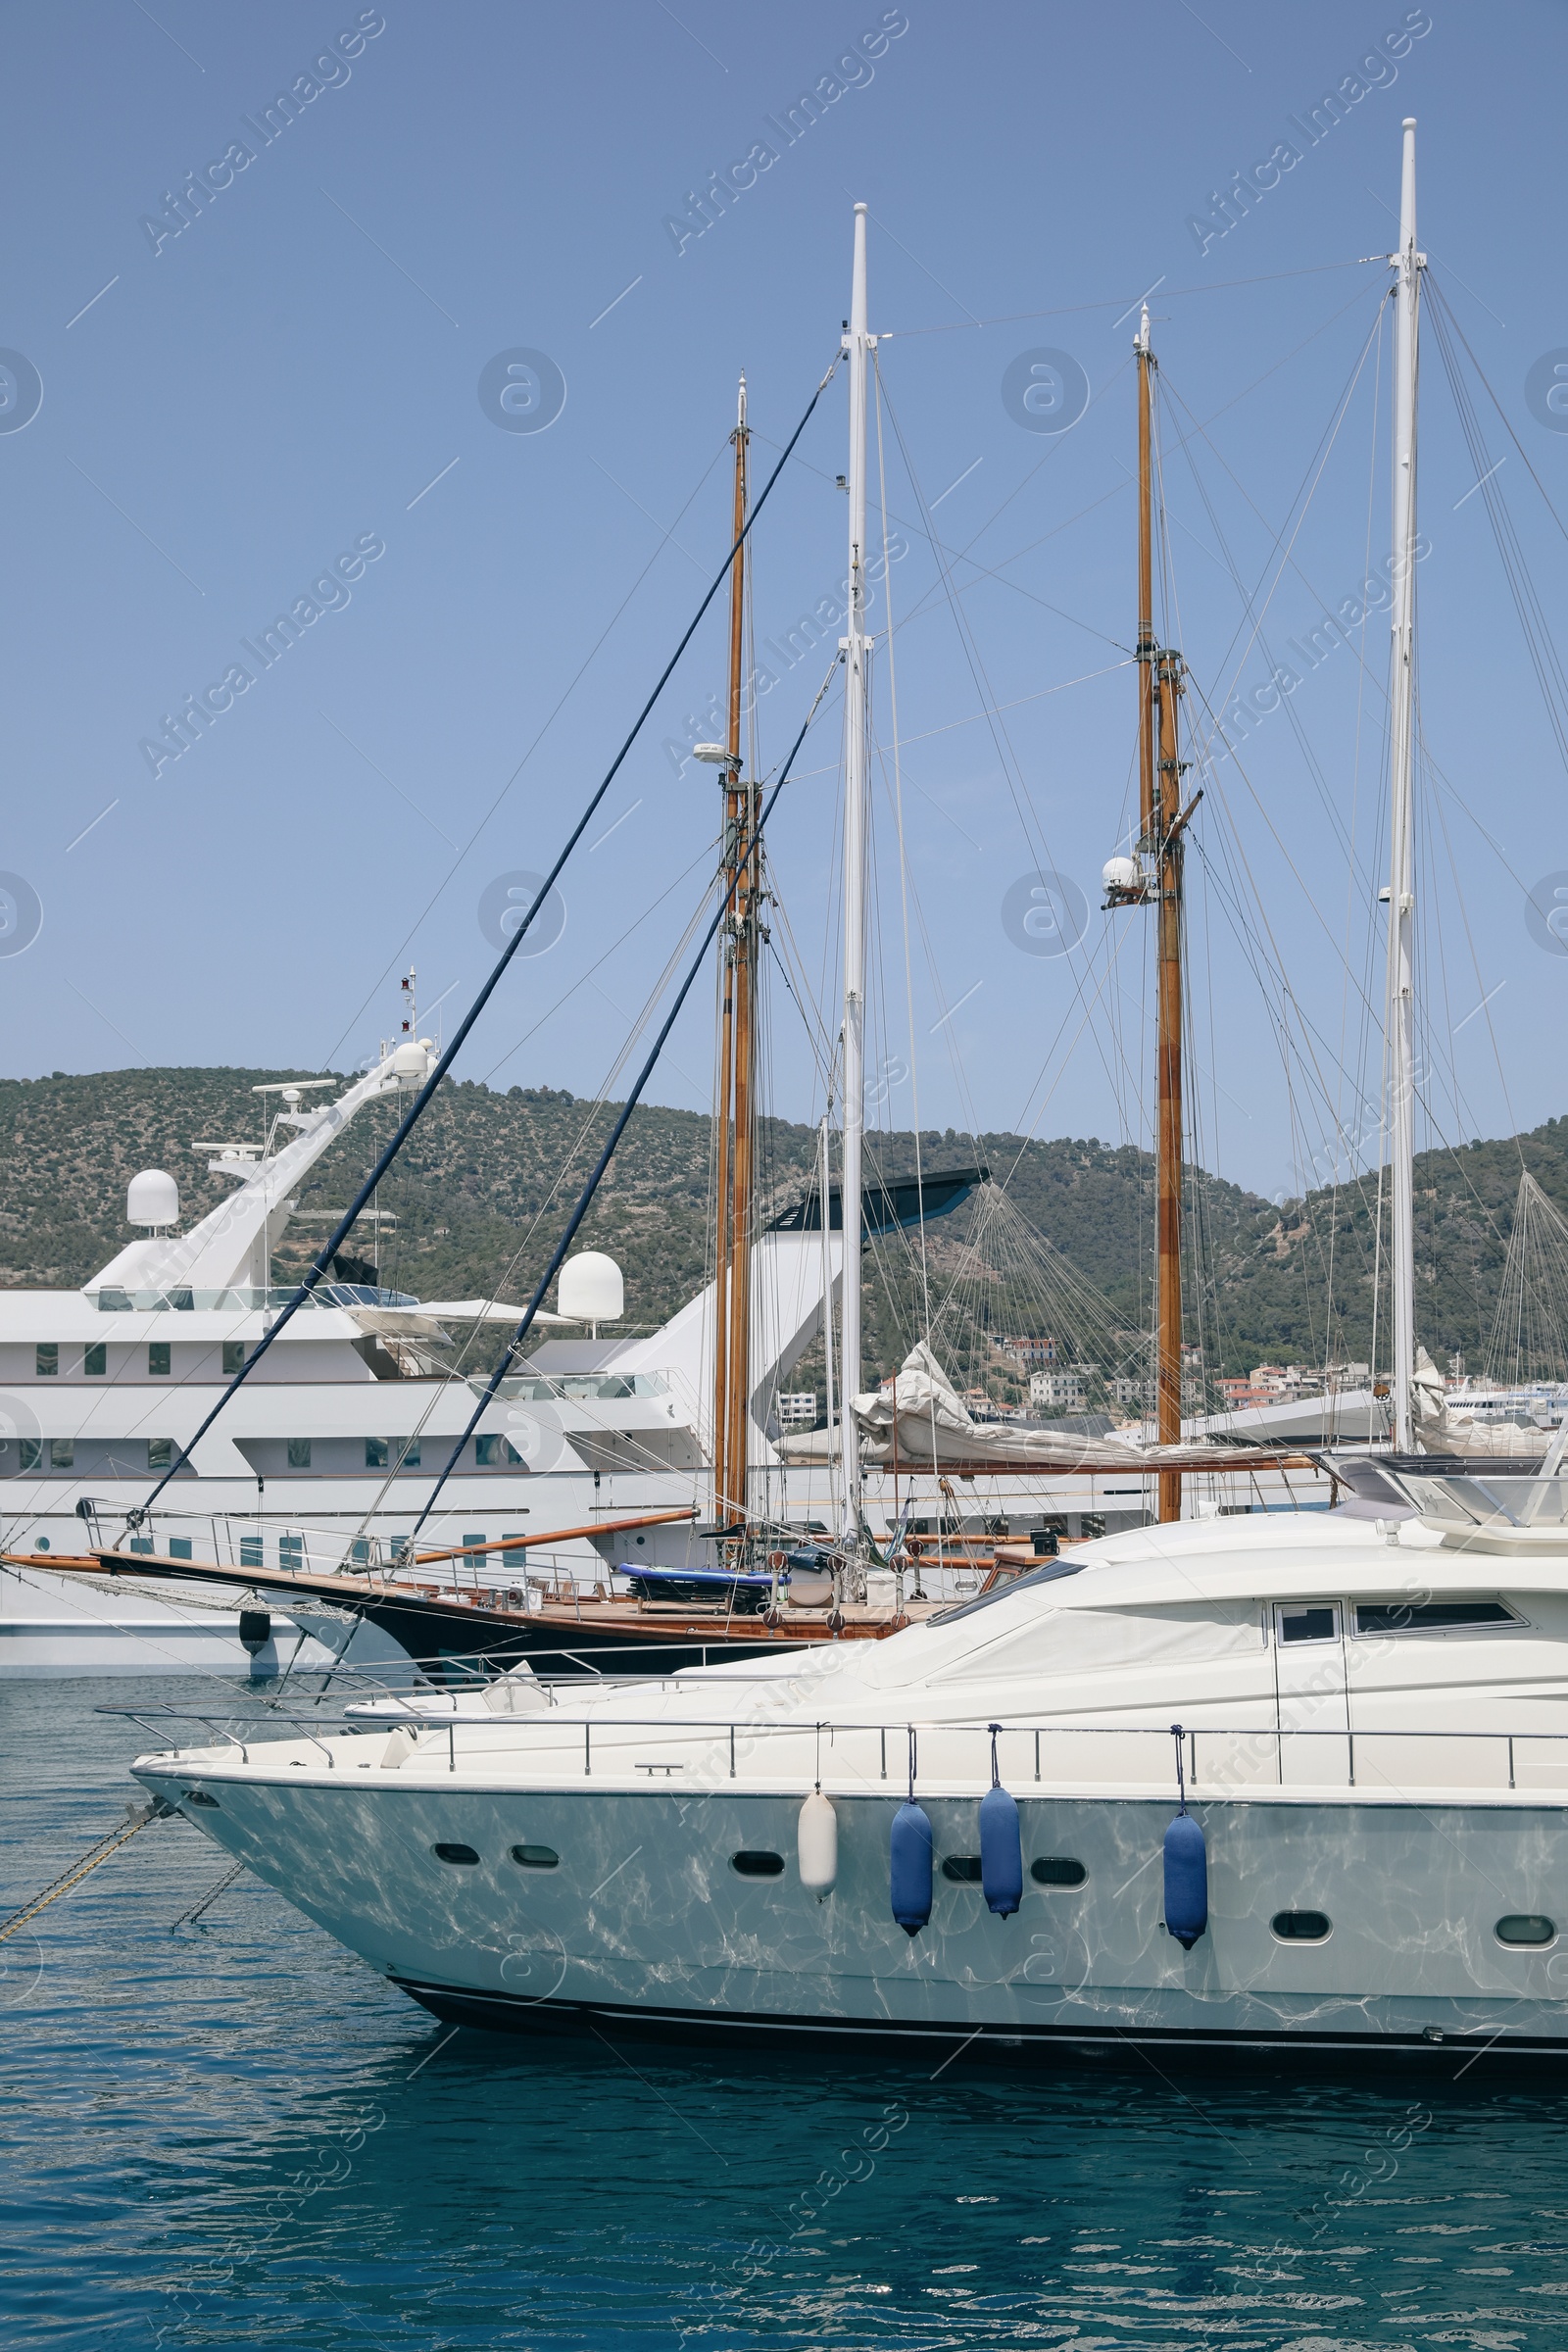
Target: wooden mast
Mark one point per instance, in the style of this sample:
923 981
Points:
733 1174
1155 878
745 802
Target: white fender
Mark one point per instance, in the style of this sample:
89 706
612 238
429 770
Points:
817 1844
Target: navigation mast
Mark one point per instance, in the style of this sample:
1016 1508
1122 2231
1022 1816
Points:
857 649
735 1175
1154 878
1408 263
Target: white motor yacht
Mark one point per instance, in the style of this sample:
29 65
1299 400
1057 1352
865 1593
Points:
1373 1748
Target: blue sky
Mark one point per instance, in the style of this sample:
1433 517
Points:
280 407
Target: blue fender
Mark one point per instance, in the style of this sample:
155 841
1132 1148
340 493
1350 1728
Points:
1001 1853
1185 1881
909 1875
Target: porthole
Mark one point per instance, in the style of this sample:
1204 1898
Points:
199 1796
452 1852
753 1863
1300 1927
1057 1870
1527 1927
535 1857
963 1869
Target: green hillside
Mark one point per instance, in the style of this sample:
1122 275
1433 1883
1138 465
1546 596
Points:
484 1187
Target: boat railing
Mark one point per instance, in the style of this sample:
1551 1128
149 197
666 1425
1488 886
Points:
845 1757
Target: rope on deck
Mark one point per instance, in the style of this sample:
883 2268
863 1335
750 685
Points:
139 1817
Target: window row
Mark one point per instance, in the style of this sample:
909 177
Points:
1319 1621
160 1360
60 1453
405 1454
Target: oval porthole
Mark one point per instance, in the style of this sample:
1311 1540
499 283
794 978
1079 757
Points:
452 1852
1526 1927
199 1796
753 1863
1057 1870
963 1869
535 1857
1300 1927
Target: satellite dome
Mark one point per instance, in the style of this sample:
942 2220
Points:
1121 873
591 1289
152 1199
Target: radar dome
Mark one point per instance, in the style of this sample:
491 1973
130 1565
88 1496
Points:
591 1289
152 1199
1120 873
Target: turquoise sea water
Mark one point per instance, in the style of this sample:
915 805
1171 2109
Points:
234 2134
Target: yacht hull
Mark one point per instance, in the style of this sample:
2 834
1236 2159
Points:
645 1921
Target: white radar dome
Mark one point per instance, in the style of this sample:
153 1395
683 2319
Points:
1120 873
152 1199
411 1065
591 1289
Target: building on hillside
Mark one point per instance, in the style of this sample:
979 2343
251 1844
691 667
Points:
798 1409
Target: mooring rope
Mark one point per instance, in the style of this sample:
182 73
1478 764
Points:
141 1815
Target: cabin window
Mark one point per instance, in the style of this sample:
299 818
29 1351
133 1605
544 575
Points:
160 1358
299 1454
32 1454
95 1361
1057 1870
498 1453
451 1851
251 1555
1428 1616
378 1454
535 1857
234 1357
963 1869
291 1553
1307 1621
1526 1927
407 1454
46 1360
1300 1927
752 1863
62 1453
179 1547
159 1454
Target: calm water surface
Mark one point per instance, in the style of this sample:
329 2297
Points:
232 2133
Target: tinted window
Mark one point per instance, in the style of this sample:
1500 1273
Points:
1525 1927
751 1864
1310 1624
963 1869
96 1362
1428 1616
452 1852
535 1857
1300 1927
1057 1870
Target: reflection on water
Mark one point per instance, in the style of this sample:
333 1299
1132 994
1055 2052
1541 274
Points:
233 2132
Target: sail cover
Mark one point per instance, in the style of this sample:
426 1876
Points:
923 1422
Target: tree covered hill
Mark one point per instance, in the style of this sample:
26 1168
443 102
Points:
484 1186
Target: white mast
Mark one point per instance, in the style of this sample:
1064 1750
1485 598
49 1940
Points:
1408 263
857 655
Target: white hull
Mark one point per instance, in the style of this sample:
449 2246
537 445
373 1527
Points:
644 1917
56 1626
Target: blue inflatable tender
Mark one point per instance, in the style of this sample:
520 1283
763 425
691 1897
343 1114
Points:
1000 1845
909 1874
